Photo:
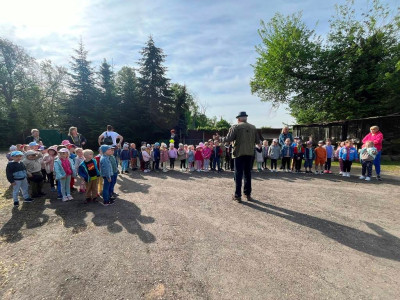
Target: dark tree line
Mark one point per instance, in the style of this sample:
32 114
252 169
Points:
141 103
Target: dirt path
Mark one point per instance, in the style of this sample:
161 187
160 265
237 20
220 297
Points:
180 236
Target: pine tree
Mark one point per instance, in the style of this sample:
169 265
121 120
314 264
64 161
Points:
83 95
154 87
108 100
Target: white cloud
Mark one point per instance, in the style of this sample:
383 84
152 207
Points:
209 44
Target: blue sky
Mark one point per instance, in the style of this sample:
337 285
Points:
210 45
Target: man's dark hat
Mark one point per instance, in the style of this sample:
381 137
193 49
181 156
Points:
242 114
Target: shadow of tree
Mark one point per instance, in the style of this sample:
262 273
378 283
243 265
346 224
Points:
30 214
382 245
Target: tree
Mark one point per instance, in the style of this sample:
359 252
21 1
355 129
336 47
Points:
350 75
83 95
154 87
107 102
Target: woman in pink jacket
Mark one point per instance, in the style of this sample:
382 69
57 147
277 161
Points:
377 137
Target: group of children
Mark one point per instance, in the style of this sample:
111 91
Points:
204 157
61 165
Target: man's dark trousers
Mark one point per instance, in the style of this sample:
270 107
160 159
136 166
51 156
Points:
243 167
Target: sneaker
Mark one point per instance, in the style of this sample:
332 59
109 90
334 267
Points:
325 171
362 177
70 197
88 200
111 201
316 172
16 204
59 197
53 189
272 171
94 200
368 179
379 177
65 199
126 172
340 173
106 203
344 174
348 174
28 200
329 172
115 195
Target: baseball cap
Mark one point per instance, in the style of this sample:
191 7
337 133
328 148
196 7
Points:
31 144
16 153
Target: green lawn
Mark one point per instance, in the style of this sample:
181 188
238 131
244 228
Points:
392 167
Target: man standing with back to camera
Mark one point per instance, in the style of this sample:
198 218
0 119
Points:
244 138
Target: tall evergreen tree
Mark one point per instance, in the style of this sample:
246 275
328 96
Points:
154 87
83 95
108 99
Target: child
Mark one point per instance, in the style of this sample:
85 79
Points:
156 154
16 175
100 181
298 154
320 157
48 160
309 157
182 156
337 152
348 154
198 156
78 160
133 156
125 157
367 156
117 154
223 156
211 146
164 156
259 156
206 156
141 157
43 150
90 173
190 155
107 173
12 149
146 158
64 168
265 154
274 153
33 167
34 146
114 165
186 148
330 152
216 156
287 154
172 154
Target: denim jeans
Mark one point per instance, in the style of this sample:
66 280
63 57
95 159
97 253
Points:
20 185
125 165
113 182
217 161
367 168
243 166
106 190
65 186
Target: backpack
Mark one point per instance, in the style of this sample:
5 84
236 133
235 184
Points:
108 140
366 156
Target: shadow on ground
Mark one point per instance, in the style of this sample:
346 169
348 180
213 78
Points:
382 245
30 214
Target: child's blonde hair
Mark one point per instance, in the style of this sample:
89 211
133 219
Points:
86 152
78 149
370 144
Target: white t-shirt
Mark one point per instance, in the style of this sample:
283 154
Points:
113 135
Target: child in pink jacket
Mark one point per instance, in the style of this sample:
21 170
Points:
206 155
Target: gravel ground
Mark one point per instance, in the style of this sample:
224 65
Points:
180 236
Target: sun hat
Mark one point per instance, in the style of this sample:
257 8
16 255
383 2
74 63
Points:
30 152
13 148
275 140
156 144
309 142
31 144
320 142
65 142
63 150
241 114
104 148
16 153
